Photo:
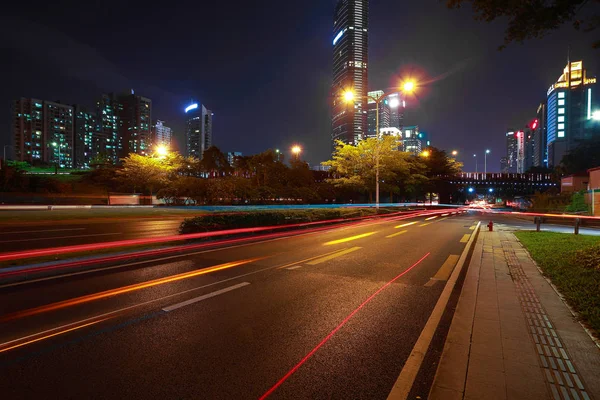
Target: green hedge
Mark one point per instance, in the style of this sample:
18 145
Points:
252 219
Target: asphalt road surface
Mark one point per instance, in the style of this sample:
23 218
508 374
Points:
333 314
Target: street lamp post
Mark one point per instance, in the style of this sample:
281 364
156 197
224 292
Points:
296 150
349 96
485 160
4 158
475 157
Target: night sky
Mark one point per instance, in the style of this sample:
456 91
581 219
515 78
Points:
264 67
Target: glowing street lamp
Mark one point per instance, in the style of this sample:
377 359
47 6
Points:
454 153
409 86
349 96
485 161
162 150
425 153
296 150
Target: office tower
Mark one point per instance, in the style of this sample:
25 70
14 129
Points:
85 134
163 135
515 151
504 165
106 140
412 141
384 113
350 62
540 157
135 118
198 130
397 106
570 111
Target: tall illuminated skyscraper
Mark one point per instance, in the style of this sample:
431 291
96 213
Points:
198 130
350 61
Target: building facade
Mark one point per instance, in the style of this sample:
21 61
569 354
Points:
135 118
350 70
106 141
85 135
231 156
163 135
412 140
198 129
28 126
570 102
384 113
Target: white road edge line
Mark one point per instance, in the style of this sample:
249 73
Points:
409 372
204 297
295 267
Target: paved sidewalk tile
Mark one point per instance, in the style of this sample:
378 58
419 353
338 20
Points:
502 343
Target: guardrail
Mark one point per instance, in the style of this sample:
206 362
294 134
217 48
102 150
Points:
576 220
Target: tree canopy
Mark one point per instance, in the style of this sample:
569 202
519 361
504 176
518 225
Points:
529 19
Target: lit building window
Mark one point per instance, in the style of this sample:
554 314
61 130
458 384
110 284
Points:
561 95
561 118
561 133
561 102
561 126
561 110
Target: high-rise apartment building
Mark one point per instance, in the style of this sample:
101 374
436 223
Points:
106 140
85 134
350 62
28 126
569 111
135 118
515 151
163 135
43 132
198 130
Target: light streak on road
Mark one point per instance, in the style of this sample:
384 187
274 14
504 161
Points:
125 289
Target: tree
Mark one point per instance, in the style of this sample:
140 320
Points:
529 19
143 172
355 167
214 163
438 167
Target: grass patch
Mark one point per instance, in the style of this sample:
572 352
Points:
572 262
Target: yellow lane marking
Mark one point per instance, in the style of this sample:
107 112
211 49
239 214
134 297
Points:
433 222
445 270
408 224
49 336
430 218
348 239
465 238
332 256
472 228
395 234
307 259
425 224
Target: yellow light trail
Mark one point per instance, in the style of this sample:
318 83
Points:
125 289
430 218
49 336
349 239
407 224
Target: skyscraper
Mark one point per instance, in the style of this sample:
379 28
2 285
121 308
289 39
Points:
135 117
350 61
106 141
384 113
569 112
198 130
515 151
163 135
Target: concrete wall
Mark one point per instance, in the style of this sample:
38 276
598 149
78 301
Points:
574 183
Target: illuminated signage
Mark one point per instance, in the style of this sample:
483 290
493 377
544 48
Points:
339 36
191 107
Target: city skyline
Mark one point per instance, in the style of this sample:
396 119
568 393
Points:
464 59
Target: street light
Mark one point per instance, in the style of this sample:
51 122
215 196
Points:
350 96
296 150
454 153
485 160
475 157
162 150
425 153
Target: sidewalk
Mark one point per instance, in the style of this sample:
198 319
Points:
511 336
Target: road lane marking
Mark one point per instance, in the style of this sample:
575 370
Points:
332 256
395 234
411 368
425 224
2 350
295 267
433 222
59 237
349 239
408 224
445 270
204 297
44 230
337 328
125 289
430 218
465 238
472 228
